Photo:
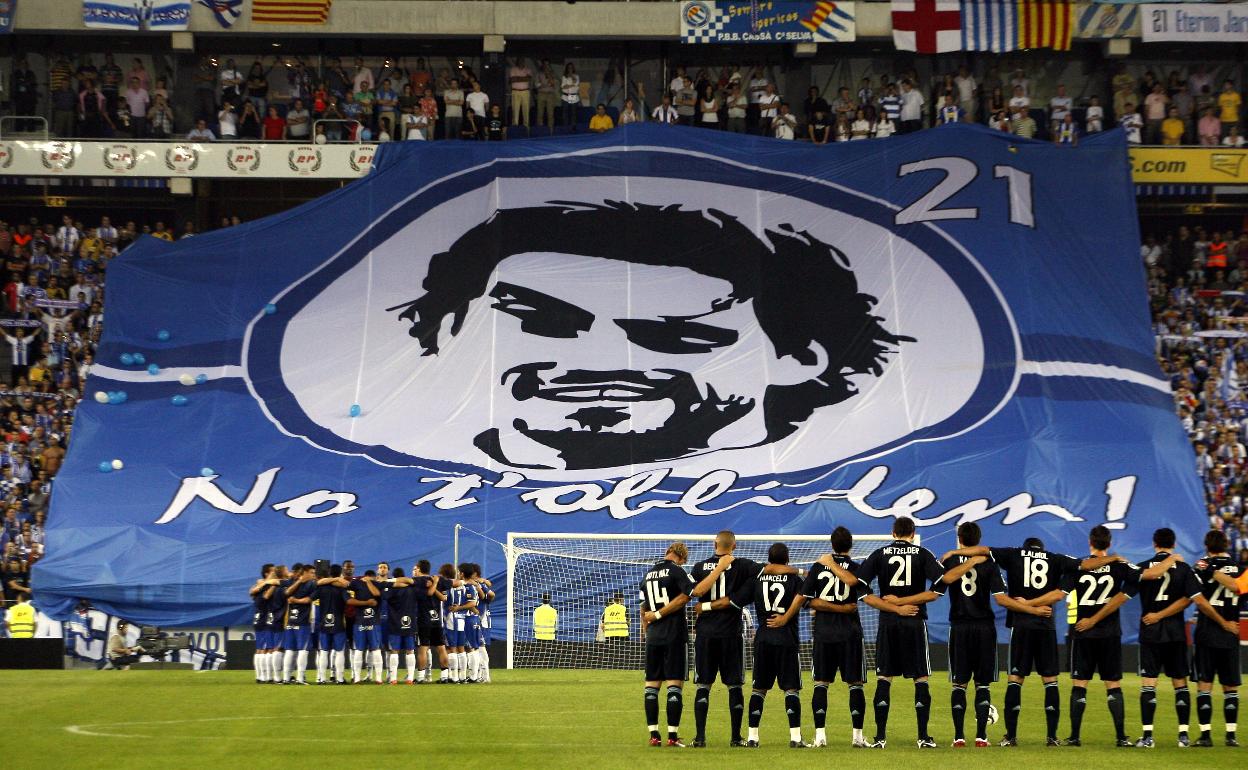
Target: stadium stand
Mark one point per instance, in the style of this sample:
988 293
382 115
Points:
51 318
330 97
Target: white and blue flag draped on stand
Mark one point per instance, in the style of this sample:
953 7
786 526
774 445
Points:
650 330
989 25
154 15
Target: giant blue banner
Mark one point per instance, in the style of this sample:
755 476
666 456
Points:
650 330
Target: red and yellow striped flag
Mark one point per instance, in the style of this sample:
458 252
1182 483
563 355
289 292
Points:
1045 24
290 11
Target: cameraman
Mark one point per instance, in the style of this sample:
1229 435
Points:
119 653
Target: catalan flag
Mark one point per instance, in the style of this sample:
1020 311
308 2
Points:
828 23
1008 25
290 11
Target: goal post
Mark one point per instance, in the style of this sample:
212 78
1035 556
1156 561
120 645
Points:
584 572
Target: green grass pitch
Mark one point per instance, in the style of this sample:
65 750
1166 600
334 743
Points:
526 718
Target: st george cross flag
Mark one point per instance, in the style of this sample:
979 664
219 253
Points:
927 26
290 11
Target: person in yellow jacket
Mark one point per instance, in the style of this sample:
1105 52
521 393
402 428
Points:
20 619
614 623
545 620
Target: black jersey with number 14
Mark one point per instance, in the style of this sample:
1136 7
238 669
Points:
662 585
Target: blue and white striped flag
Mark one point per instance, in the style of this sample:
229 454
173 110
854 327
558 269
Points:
989 25
157 15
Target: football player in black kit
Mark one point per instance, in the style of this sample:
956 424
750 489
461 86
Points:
973 631
1217 638
1033 575
904 572
719 647
777 601
665 591
838 643
1095 643
1167 586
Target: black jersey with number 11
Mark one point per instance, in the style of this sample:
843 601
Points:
736 583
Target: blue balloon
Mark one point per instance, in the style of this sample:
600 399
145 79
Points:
200 379
153 369
127 359
163 335
355 410
114 397
270 309
207 472
106 467
179 400
122 397
140 359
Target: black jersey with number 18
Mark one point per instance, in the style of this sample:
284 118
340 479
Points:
1030 574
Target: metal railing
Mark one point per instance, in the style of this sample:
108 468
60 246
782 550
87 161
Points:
16 118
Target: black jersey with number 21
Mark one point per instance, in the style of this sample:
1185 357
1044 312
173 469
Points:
902 569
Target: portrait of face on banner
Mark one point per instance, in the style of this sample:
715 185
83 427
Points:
594 327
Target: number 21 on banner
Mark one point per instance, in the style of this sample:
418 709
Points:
959 173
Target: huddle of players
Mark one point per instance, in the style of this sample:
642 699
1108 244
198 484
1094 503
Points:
908 578
447 613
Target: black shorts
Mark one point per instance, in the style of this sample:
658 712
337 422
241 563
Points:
1221 663
667 661
430 635
901 650
973 653
719 655
775 664
1100 655
847 657
1168 657
1033 649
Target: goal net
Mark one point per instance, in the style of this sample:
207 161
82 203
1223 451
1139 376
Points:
583 573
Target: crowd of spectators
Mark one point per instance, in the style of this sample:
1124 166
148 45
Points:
409 99
51 314
1198 290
